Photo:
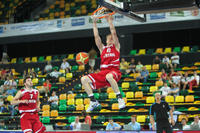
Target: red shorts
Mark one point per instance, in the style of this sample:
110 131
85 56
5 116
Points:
99 79
30 122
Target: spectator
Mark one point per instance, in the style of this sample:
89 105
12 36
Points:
48 68
65 66
123 65
53 98
11 90
144 74
185 81
163 76
156 60
47 86
135 125
24 73
175 60
194 80
5 107
184 124
196 124
166 61
92 54
54 75
76 125
172 73
131 67
3 74
88 119
174 90
176 79
112 125
165 90
139 67
5 58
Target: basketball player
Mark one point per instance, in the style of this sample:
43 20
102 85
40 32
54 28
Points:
110 73
29 106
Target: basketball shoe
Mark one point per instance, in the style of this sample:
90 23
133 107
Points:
121 103
92 106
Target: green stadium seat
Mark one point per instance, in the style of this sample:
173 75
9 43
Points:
133 52
71 108
177 49
46 120
194 48
100 119
55 58
74 68
153 75
79 95
96 96
71 119
63 102
63 107
54 107
20 60
41 59
103 96
150 51
78 87
184 92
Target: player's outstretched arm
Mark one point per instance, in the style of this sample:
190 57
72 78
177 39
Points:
16 100
96 36
109 19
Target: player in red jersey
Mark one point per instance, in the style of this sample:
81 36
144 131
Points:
29 106
110 73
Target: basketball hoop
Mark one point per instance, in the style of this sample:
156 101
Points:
102 12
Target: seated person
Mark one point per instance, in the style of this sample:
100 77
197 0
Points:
174 90
65 66
194 80
196 124
123 65
163 76
184 125
144 74
139 67
131 67
76 125
53 98
48 68
54 75
165 90
185 81
135 125
112 125
156 60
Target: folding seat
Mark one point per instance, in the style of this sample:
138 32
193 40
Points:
62 79
139 94
71 96
129 95
34 59
79 107
186 49
115 106
46 120
54 113
159 51
189 98
111 95
45 113
63 107
150 99
168 50
70 102
13 60
63 97
45 107
148 67
169 99
79 101
179 99
110 90
140 118
69 76
142 52
63 102
159 83
153 88
86 101
125 85
155 67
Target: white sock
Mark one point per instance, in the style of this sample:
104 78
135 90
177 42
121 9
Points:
91 95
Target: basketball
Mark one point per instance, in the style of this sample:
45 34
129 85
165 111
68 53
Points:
82 58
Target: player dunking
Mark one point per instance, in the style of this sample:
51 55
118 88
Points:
110 73
29 105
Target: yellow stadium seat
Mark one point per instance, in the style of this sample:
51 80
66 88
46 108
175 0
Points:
197 63
125 85
62 71
139 94
70 57
63 97
159 83
45 107
180 117
167 50
150 99
129 95
142 52
189 98
87 101
35 81
110 90
71 96
159 74
54 113
159 51
79 107
135 75
79 101
27 60
140 118
62 79
115 106
21 82
48 58
169 99
148 67
45 113
86 106
13 60
70 102
34 59
179 99
186 49
81 67
111 95
153 88
155 67
69 76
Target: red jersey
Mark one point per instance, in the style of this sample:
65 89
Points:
31 96
110 58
